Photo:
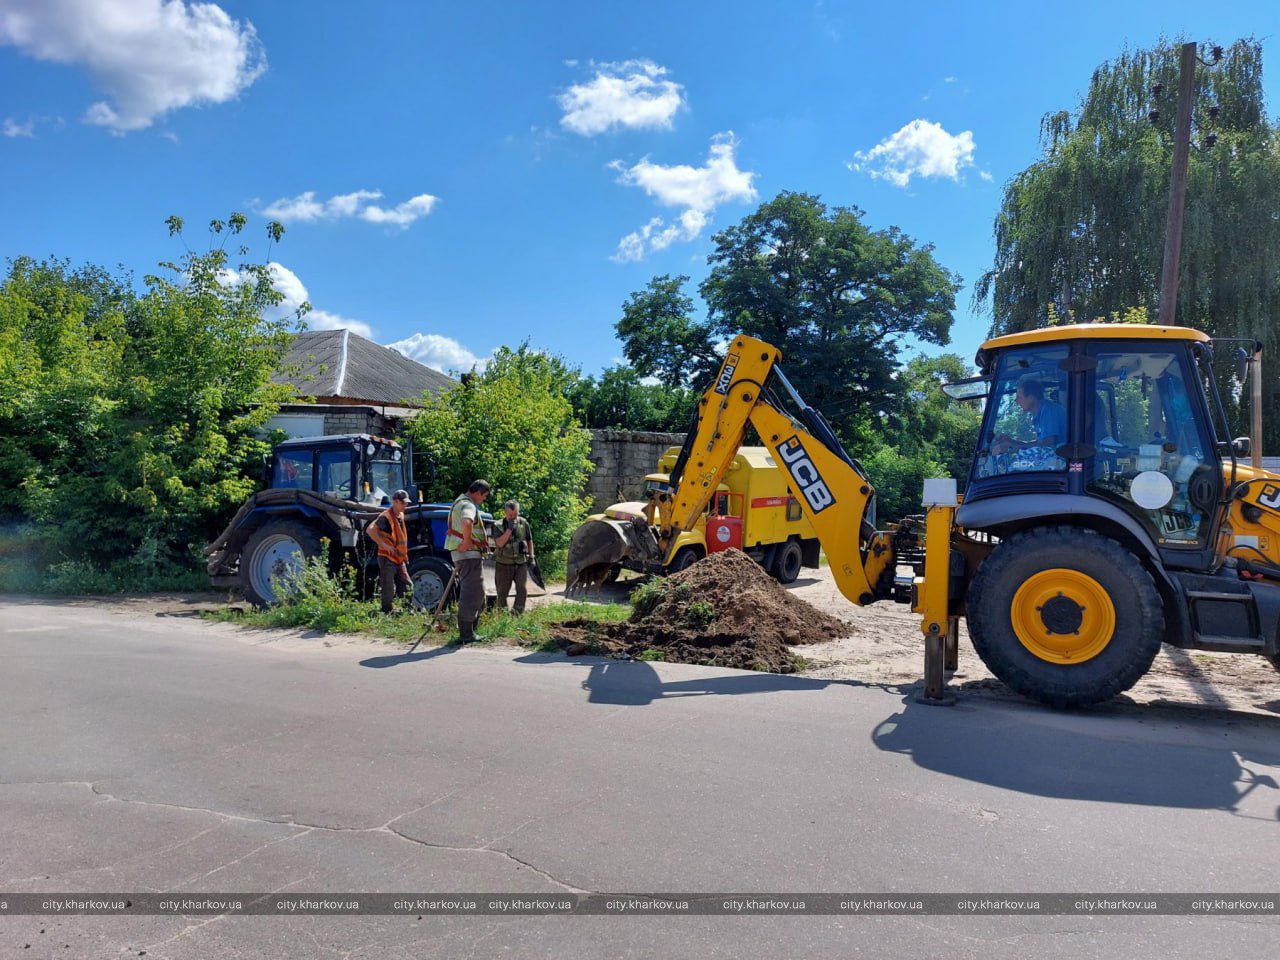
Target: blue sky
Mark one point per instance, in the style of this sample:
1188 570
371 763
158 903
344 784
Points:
458 176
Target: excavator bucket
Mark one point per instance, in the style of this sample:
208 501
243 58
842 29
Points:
599 544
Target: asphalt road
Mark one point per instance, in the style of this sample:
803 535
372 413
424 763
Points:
142 753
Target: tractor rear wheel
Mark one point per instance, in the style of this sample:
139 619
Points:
429 576
274 552
1065 616
787 565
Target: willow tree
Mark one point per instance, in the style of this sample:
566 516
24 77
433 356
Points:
1082 230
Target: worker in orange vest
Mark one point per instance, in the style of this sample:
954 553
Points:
389 533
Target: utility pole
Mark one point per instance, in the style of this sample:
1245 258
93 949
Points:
1177 187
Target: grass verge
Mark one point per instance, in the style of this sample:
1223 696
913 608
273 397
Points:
535 627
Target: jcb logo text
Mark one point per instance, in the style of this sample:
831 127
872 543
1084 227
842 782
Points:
806 475
726 375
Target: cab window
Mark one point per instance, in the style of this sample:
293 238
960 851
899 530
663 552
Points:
385 478
1152 449
334 468
1027 414
293 469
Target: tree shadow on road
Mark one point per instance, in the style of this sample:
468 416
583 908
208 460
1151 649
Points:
1110 754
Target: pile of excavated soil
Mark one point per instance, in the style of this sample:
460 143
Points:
724 611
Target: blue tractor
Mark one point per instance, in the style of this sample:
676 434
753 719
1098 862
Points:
322 490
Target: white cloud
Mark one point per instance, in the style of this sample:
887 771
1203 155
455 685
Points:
294 291
14 129
148 56
438 352
658 235
295 294
305 208
324 320
632 94
700 190
920 149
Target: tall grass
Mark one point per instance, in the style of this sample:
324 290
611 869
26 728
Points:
317 601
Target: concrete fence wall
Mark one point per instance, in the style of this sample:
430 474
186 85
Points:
622 458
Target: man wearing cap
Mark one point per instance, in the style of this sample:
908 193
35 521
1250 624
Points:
513 555
464 541
389 533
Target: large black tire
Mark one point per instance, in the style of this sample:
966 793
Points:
685 558
1027 567
786 565
429 576
271 552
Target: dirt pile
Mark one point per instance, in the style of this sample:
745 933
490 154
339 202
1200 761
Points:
724 611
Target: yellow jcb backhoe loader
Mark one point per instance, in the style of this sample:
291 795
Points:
1105 511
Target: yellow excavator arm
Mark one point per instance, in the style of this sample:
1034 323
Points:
832 488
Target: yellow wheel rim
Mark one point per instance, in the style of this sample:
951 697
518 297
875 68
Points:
1063 616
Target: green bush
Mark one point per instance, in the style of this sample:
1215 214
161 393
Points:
699 615
132 420
513 426
646 597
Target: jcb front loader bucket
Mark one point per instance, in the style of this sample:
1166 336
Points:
598 545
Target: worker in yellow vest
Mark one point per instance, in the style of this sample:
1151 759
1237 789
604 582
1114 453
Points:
389 533
465 540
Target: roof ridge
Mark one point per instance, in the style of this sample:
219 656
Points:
342 363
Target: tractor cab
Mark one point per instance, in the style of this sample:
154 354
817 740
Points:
358 467
1105 421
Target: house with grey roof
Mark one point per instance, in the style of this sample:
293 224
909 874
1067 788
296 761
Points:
358 386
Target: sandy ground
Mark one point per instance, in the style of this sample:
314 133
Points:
884 647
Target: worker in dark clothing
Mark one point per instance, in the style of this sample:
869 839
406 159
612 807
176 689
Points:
389 533
513 555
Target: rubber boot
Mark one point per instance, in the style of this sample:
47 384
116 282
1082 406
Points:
467 632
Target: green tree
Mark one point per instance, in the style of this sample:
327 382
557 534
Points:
620 400
513 425
132 420
930 435
1082 229
838 298
931 425
661 338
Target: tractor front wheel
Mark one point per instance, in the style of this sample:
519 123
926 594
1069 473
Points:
1065 616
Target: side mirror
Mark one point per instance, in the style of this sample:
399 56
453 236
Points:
1241 446
266 469
1242 366
971 388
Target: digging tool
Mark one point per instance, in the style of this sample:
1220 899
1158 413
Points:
436 624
